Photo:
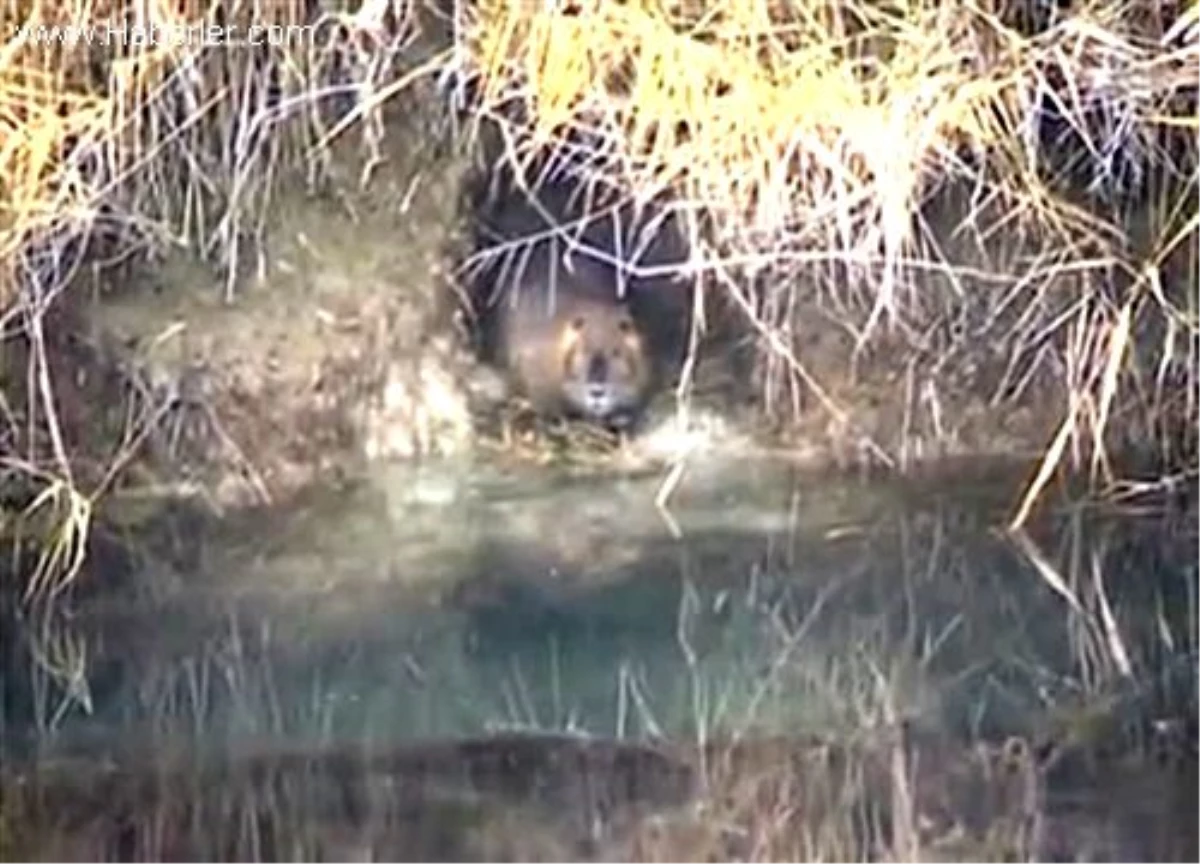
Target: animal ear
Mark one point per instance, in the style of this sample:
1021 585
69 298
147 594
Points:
570 336
629 333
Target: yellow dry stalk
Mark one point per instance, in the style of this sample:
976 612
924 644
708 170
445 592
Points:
38 116
56 525
715 89
48 98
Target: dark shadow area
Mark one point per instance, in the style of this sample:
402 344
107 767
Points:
541 232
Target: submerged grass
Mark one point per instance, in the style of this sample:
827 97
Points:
821 744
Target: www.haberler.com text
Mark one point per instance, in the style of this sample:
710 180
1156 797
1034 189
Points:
161 35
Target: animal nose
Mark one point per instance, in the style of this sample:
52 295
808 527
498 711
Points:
597 371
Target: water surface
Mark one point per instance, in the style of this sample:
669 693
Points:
458 603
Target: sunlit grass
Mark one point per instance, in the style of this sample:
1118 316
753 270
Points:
797 138
123 146
806 134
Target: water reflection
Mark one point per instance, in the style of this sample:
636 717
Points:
773 613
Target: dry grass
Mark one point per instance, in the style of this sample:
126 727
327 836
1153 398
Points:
796 138
799 138
797 141
113 148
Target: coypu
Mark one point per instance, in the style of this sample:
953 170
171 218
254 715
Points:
571 345
552 320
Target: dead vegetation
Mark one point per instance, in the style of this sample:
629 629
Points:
987 196
780 799
1048 158
803 696
125 149
561 797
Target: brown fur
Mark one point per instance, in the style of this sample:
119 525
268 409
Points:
552 320
570 344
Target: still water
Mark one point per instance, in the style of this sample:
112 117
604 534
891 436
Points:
469 627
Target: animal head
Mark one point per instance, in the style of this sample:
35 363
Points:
604 363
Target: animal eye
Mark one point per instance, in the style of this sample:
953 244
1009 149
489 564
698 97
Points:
625 325
577 324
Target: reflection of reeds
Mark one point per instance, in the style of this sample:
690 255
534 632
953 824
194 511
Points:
915 621
912 614
1133 652
58 673
437 801
535 796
